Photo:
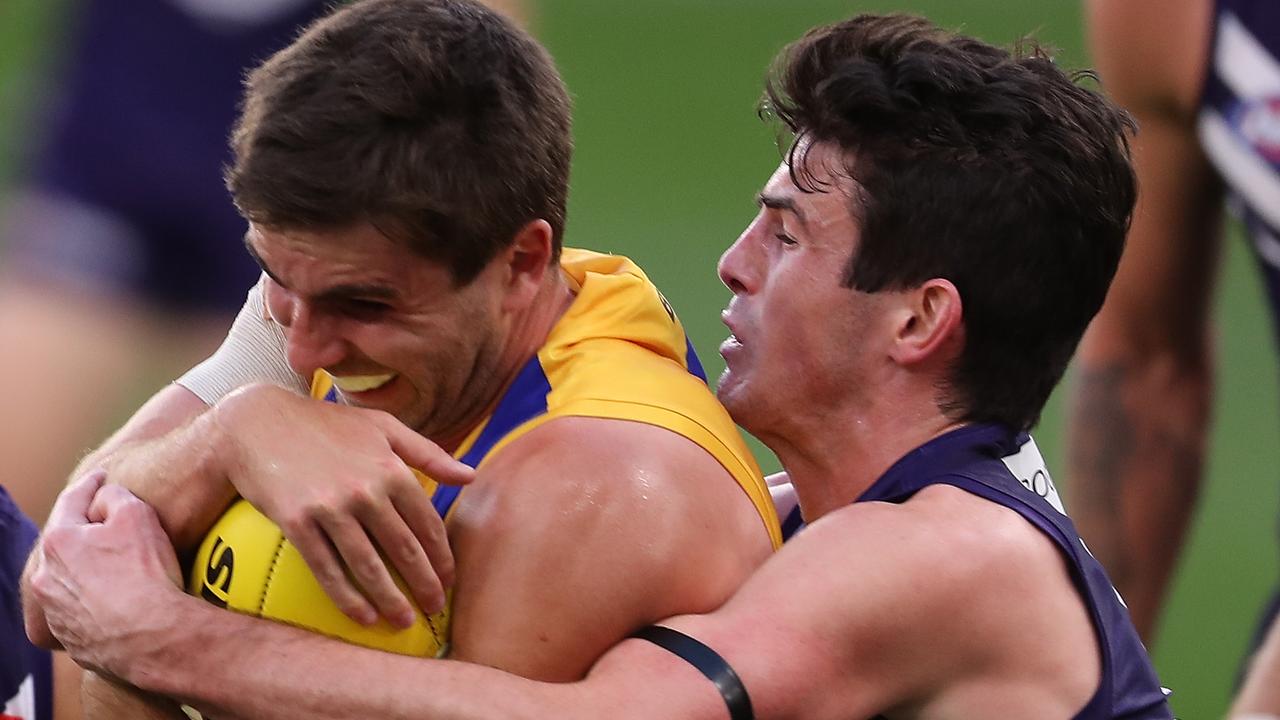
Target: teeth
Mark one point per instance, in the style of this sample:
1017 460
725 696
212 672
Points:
361 383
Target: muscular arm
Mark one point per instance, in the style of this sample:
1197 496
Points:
166 453
782 632
838 624
1140 404
586 529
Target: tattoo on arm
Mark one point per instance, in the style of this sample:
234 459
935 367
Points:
1100 446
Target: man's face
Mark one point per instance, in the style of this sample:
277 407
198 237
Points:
800 341
388 324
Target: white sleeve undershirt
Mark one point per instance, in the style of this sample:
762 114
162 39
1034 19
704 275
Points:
254 351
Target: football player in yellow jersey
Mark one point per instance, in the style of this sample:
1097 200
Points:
891 348
410 236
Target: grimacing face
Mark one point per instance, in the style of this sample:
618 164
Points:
800 341
387 323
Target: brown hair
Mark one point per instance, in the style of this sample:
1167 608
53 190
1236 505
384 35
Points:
438 121
991 169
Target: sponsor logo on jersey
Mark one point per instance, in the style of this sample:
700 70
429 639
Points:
1028 467
1259 123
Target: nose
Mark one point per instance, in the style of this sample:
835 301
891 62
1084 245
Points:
312 340
734 267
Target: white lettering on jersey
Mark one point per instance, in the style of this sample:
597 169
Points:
23 704
1028 467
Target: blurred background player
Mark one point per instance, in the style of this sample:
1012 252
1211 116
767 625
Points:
1203 79
119 260
120 267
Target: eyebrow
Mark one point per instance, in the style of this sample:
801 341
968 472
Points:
253 253
778 202
366 291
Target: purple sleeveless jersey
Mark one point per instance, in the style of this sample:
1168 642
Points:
1006 468
25 674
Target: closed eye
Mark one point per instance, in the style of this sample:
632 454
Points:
360 309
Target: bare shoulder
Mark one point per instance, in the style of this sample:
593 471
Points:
939 602
1151 54
595 527
1012 589
644 483
590 465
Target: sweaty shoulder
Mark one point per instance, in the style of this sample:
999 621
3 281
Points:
594 527
1151 54
623 472
620 352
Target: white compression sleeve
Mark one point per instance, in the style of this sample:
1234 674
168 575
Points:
254 351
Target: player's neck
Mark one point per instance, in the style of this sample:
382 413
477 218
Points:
832 464
529 333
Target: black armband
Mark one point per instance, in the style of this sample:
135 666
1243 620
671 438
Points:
707 662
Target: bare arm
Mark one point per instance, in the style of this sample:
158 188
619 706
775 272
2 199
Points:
835 625
167 455
66 688
1260 696
586 529
105 699
1140 405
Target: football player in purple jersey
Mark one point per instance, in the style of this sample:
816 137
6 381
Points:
921 267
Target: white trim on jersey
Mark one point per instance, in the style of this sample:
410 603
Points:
23 704
1267 245
1251 176
1243 63
1028 468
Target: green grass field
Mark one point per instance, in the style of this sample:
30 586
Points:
669 155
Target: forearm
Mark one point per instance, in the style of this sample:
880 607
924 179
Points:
231 666
1136 447
179 474
1261 691
172 454
104 699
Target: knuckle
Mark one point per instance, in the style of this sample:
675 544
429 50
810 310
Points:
363 499
392 470
322 510
334 582
407 552
293 526
368 570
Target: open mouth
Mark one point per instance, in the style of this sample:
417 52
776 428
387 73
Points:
361 383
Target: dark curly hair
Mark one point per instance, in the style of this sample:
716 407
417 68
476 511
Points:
991 169
438 121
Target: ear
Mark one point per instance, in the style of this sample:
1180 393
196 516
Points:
526 263
930 320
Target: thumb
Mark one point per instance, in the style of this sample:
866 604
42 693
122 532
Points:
424 455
